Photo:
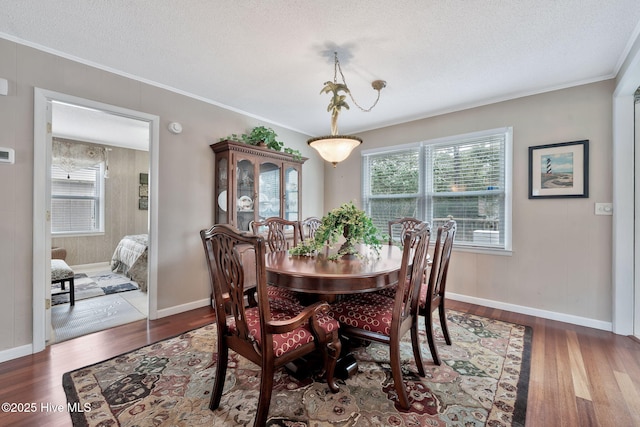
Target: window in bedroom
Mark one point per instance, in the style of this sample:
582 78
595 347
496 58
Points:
464 177
77 200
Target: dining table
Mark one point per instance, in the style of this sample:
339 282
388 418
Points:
321 277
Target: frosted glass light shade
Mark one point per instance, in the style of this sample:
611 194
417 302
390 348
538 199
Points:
335 148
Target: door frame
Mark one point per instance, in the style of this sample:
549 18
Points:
625 230
42 196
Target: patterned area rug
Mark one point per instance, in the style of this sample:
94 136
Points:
98 284
483 381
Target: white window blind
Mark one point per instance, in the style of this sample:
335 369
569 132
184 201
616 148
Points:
392 183
77 200
465 178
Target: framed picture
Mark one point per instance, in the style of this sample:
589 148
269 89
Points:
144 178
143 204
144 190
559 170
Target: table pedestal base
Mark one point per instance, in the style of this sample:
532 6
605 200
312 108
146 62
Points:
346 365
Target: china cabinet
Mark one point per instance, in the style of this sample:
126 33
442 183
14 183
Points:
253 183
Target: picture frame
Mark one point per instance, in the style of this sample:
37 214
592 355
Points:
144 178
143 204
559 170
143 190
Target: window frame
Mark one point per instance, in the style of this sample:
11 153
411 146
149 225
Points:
99 209
424 195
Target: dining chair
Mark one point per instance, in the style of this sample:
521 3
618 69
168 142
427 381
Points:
277 240
277 232
375 317
432 293
401 226
271 334
310 226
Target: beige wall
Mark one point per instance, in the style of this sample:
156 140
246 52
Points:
122 216
185 176
561 259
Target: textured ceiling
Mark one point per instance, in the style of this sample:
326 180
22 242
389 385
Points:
269 59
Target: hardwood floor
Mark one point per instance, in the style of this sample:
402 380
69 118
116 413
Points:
579 376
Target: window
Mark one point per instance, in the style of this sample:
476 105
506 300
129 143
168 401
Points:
77 200
465 177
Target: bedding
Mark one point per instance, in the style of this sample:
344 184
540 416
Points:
130 258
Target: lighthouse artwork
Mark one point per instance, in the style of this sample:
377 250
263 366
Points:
557 170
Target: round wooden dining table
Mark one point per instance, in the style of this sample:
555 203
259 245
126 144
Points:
323 276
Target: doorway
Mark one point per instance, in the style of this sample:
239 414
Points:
46 104
636 298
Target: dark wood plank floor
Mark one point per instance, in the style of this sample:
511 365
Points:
579 376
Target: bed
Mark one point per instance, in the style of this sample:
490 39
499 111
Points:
130 258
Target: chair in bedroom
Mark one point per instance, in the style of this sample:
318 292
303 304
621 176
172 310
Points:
432 294
264 334
61 273
279 232
376 317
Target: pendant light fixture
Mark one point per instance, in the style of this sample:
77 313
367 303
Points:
335 148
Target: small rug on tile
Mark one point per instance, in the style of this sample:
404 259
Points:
95 285
92 315
483 381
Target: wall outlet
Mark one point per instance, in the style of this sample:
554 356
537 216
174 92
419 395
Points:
604 208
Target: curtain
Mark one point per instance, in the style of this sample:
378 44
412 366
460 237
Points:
72 156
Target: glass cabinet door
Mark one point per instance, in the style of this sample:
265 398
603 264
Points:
245 193
269 191
291 194
221 192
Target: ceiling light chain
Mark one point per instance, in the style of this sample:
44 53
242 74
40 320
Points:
378 85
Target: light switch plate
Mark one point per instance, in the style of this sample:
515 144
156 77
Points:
604 208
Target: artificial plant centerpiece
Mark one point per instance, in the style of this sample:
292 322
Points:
346 221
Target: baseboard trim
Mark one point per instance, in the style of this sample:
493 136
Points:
14 353
545 314
176 309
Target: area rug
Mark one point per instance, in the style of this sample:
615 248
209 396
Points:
483 381
95 285
92 315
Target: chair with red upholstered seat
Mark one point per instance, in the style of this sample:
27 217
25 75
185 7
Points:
376 317
280 235
432 294
310 226
274 332
399 228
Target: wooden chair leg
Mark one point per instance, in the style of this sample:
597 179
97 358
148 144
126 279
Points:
72 292
428 320
266 386
221 372
331 353
417 354
443 323
396 373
